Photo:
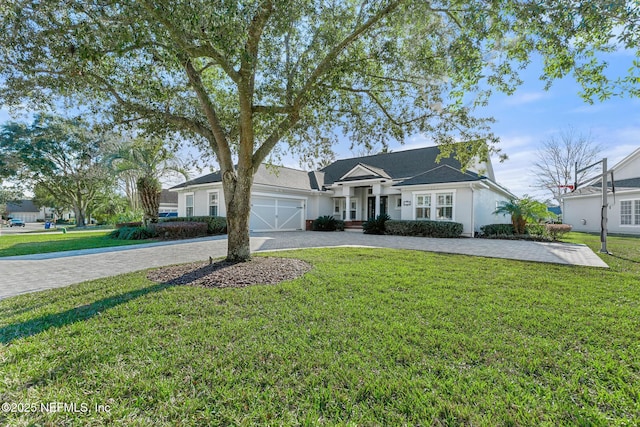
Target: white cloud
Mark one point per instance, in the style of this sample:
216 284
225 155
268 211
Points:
526 98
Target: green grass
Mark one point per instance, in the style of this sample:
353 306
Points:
368 337
28 244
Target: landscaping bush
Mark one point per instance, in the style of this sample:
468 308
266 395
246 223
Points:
215 224
556 231
131 233
535 230
497 230
376 225
423 228
129 224
179 230
327 223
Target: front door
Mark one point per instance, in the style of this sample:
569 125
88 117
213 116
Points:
371 206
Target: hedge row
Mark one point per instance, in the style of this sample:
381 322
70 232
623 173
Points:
215 224
497 230
444 229
179 230
532 231
131 233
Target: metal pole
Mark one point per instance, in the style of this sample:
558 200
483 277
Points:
603 224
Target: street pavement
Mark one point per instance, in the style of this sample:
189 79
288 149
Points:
30 273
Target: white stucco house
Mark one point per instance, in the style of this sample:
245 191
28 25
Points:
407 185
582 207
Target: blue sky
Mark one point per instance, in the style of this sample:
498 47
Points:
532 115
529 117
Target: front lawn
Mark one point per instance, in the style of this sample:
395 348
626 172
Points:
28 244
368 337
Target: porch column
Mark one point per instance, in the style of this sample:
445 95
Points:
377 205
347 208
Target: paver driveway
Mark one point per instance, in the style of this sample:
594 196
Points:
31 273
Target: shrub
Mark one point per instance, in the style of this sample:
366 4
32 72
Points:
129 224
215 224
556 231
376 225
131 233
424 228
179 230
497 230
327 223
537 230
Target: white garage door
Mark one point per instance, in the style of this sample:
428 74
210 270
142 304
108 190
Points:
274 214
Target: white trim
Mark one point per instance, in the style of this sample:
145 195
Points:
279 196
217 205
433 206
193 204
633 213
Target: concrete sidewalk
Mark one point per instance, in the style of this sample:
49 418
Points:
29 273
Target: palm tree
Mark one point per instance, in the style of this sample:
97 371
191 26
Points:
522 211
144 162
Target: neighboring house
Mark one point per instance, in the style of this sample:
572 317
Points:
582 208
557 211
168 202
25 210
407 185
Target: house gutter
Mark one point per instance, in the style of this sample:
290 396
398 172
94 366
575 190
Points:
473 211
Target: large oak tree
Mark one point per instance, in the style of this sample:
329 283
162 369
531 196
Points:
245 78
61 157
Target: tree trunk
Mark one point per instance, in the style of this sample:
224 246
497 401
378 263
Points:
149 193
519 224
79 213
237 194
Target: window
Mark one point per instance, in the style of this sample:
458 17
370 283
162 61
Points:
354 208
444 207
423 206
625 212
630 212
434 206
213 203
189 204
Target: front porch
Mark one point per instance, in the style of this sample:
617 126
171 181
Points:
359 204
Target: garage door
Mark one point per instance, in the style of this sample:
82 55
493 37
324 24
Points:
274 214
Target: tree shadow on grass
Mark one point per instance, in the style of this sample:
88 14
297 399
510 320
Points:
625 259
32 327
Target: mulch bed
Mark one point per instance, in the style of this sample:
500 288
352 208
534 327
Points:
223 274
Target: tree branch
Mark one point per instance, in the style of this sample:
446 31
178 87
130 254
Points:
272 109
194 51
175 119
324 65
375 99
222 151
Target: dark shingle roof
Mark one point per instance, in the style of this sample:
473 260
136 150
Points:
277 176
620 183
22 206
168 197
441 174
398 165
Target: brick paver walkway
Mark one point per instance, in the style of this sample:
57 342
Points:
31 273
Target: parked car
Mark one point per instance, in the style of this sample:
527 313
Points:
17 223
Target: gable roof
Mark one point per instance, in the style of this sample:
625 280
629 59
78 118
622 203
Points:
278 176
22 206
410 167
396 165
441 174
